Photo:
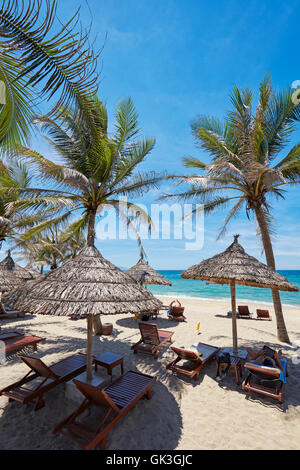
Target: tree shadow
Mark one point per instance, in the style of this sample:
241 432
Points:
229 317
13 320
291 388
162 323
150 425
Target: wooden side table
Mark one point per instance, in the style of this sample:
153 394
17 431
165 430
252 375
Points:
109 361
236 365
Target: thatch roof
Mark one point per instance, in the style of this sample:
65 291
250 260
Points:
8 281
87 284
34 272
11 275
145 274
235 264
9 264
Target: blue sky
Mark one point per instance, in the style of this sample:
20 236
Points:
177 59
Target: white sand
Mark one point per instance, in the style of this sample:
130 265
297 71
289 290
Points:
183 413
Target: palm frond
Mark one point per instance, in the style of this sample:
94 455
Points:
63 61
280 121
234 212
126 123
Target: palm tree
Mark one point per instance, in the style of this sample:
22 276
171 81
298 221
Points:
247 169
14 178
50 249
95 170
39 58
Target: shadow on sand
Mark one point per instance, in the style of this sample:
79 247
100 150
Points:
291 396
162 323
154 424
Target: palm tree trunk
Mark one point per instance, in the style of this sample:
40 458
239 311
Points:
91 228
282 333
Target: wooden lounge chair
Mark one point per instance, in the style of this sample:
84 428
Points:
176 314
265 380
11 314
10 335
193 363
8 312
151 339
42 378
20 342
243 311
176 311
117 399
263 315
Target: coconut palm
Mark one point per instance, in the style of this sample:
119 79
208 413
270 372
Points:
50 249
14 178
95 170
247 168
40 58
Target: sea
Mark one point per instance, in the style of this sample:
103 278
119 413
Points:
191 288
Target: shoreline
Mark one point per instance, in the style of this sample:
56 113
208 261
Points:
221 299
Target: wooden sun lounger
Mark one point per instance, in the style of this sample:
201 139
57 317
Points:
10 335
176 314
19 342
243 311
11 314
264 373
151 339
117 399
194 364
263 315
42 378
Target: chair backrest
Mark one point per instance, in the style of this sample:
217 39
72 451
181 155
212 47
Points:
10 335
177 311
243 310
38 366
96 396
186 354
263 372
263 313
149 333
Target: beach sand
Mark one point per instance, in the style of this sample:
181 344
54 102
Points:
183 413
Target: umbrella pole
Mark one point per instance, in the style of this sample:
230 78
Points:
89 356
233 309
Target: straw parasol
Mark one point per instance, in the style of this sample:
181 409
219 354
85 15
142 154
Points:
11 275
8 280
87 284
18 271
142 273
235 266
35 274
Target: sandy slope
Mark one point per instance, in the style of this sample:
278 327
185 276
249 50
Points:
182 414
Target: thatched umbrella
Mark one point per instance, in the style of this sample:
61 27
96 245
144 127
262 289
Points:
35 274
235 266
18 271
142 273
87 284
11 275
8 280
